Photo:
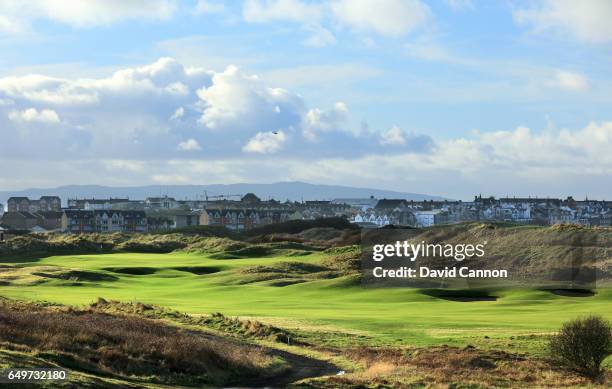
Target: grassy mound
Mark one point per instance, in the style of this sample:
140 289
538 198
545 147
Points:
215 245
33 275
218 321
538 251
127 346
297 226
286 273
345 259
247 328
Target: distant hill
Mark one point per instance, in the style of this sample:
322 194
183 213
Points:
294 191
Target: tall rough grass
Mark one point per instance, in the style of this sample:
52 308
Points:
127 345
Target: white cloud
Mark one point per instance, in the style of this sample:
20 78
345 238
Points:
18 15
587 20
46 90
33 115
9 24
189 145
125 113
520 161
179 113
570 81
238 101
428 49
385 17
262 11
125 117
324 75
394 136
319 36
149 110
317 120
266 142
208 7
125 164
165 77
170 179
525 150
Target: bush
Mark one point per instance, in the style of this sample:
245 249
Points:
582 345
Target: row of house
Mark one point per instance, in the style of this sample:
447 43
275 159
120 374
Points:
541 211
249 211
399 212
102 221
108 215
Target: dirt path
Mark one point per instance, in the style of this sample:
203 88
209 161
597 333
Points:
301 367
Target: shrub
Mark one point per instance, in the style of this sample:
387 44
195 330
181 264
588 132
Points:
582 345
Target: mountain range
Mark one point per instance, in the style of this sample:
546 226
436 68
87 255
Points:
294 191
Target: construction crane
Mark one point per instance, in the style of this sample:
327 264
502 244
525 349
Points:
221 197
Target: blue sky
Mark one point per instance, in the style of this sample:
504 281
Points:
448 97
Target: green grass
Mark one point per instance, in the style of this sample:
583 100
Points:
339 311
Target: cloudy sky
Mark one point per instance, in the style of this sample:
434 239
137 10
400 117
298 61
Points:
447 97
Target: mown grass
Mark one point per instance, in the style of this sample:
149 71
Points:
517 318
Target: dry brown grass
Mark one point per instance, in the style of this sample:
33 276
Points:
445 367
126 345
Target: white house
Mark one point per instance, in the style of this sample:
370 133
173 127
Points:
361 204
426 218
164 202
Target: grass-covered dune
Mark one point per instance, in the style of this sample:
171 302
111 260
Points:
304 282
529 248
306 291
306 235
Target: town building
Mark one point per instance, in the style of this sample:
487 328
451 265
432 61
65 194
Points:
24 204
184 219
49 220
82 221
163 202
430 218
18 204
243 218
19 220
49 204
358 204
96 204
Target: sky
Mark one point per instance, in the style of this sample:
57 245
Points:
448 97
